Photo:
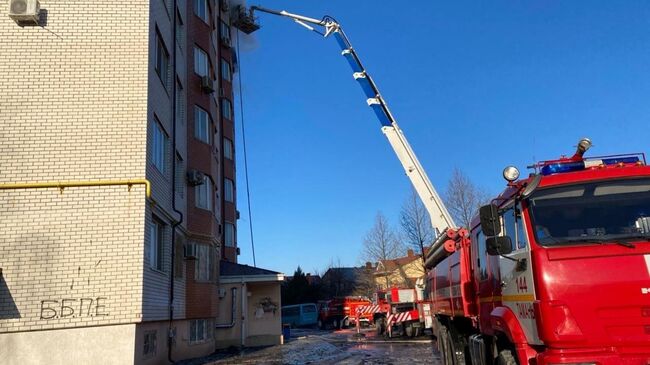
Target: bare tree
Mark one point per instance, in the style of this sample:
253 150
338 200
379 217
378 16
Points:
380 242
463 198
415 223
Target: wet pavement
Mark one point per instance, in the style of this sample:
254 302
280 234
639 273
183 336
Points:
316 347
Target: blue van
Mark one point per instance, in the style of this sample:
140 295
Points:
300 315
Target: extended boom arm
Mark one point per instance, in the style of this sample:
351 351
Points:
440 217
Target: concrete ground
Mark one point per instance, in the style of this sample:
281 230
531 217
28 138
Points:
316 347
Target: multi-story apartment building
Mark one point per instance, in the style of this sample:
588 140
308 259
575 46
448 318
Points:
117 180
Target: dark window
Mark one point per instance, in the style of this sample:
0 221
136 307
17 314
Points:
587 213
162 59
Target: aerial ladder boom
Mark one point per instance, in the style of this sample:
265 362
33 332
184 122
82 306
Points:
440 217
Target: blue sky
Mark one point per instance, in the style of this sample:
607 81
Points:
474 85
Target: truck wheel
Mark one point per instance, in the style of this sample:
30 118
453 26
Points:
379 326
506 358
346 323
409 331
321 324
444 347
449 349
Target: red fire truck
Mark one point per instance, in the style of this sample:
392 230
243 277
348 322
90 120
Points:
555 271
341 312
396 312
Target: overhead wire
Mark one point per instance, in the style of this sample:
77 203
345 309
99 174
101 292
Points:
243 135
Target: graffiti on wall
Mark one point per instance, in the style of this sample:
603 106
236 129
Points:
265 305
73 308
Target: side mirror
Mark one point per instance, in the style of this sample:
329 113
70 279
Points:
498 245
490 224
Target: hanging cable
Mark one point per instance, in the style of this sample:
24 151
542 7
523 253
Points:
243 136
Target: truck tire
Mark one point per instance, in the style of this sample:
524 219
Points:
321 324
444 346
379 326
506 357
450 352
409 330
346 323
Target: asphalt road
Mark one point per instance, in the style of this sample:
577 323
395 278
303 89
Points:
315 347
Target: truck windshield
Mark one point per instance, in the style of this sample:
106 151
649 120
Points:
616 210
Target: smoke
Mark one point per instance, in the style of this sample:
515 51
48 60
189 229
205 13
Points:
247 42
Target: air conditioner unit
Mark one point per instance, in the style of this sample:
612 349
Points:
195 178
222 293
207 85
190 251
226 41
24 11
225 5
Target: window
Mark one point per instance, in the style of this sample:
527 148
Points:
200 62
201 10
162 59
597 212
227 149
204 263
230 235
203 195
149 343
229 190
201 125
225 70
159 147
226 109
156 244
225 30
200 330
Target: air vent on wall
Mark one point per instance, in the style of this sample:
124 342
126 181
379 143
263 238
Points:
24 11
195 178
207 85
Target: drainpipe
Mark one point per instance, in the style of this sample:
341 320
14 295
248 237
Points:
244 293
170 335
233 312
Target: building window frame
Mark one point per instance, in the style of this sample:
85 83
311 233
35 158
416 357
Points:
224 30
201 62
162 59
203 195
226 70
202 10
230 234
201 124
226 108
228 149
159 147
200 331
228 190
157 244
149 344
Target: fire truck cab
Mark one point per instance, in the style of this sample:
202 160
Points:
555 271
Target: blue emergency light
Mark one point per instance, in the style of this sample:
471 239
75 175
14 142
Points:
570 166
